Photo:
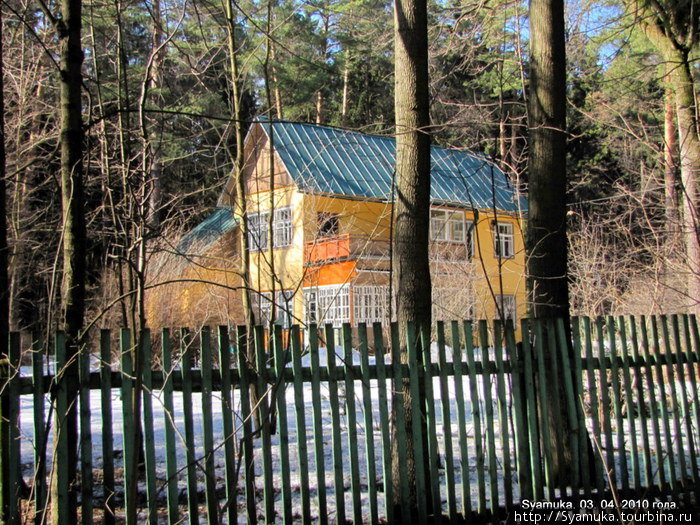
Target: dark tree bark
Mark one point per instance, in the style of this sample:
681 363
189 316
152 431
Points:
546 233
410 267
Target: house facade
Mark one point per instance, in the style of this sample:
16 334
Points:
319 212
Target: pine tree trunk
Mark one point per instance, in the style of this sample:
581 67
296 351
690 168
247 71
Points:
546 233
410 267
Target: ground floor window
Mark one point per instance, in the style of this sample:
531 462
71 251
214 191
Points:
327 304
284 307
370 304
506 307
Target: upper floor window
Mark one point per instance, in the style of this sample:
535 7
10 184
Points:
447 226
258 229
503 239
328 224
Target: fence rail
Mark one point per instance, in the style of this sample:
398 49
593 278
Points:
269 428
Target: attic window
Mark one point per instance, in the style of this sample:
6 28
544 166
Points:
328 224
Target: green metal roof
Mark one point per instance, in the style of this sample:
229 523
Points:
326 160
208 231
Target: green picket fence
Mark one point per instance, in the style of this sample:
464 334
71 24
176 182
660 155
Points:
248 427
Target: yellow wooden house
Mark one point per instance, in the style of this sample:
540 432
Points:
319 209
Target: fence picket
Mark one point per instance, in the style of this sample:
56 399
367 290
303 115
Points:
208 431
169 426
677 435
387 478
641 403
432 478
247 424
623 476
303 457
86 482
544 389
338 481
370 458
653 401
661 382
399 401
609 460
15 473
318 425
415 423
107 436
264 404
579 400
281 400
571 410
186 351
227 407
476 417
129 426
149 440
687 356
446 423
351 416
457 356
598 458
503 413
39 430
531 406
629 401
685 406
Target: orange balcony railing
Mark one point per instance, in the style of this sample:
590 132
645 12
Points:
327 249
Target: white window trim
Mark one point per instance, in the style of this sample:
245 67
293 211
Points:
503 240
442 225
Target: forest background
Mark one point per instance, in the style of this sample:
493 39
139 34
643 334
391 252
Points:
160 114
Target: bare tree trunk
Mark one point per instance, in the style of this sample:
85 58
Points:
670 164
346 90
68 29
410 266
690 173
240 199
5 493
674 42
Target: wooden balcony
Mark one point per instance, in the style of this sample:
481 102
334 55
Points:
342 248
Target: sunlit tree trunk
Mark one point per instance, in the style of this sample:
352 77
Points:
410 267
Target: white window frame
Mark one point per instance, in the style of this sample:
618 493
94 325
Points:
447 225
330 304
503 240
510 307
370 304
282 229
284 307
